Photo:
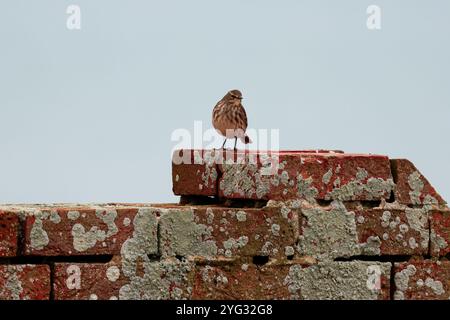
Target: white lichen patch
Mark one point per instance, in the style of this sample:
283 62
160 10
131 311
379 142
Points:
289 251
418 221
245 178
328 234
416 186
305 190
385 218
84 240
126 221
275 229
209 176
12 288
241 216
113 273
38 236
437 242
209 215
181 235
73 215
232 244
327 176
372 189
167 279
336 281
435 285
372 246
401 280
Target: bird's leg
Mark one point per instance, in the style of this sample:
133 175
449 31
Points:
225 141
235 142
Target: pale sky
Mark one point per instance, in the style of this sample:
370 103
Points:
87 115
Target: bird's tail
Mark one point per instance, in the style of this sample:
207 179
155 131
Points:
246 139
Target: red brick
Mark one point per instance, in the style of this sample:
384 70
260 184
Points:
399 231
440 232
299 175
24 282
194 172
298 280
411 186
123 279
422 280
9 234
226 232
67 231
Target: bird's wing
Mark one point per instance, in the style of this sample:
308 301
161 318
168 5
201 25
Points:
242 118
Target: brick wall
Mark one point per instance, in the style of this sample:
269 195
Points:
293 225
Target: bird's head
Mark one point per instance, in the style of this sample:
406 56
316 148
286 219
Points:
234 95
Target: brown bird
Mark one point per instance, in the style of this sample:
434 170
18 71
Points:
229 118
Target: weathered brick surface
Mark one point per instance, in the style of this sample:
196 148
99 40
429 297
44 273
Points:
336 231
440 232
325 211
123 278
411 186
87 231
422 280
24 282
331 280
393 231
286 175
194 172
9 234
213 232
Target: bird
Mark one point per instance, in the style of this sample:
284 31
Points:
229 118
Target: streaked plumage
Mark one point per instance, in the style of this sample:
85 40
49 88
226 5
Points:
229 118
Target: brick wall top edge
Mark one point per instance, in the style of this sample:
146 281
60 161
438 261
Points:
323 153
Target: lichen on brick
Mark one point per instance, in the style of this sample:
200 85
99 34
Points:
166 279
328 233
84 240
305 190
181 235
401 280
38 236
372 189
336 281
13 286
418 221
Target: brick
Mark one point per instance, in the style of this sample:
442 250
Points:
393 231
69 231
124 279
9 234
24 282
298 175
194 172
331 280
411 186
337 231
214 232
440 232
422 280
